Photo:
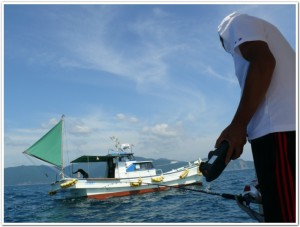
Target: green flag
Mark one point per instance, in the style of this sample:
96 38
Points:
49 147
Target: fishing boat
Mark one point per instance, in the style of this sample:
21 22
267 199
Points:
123 175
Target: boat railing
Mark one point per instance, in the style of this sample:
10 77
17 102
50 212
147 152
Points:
192 164
119 152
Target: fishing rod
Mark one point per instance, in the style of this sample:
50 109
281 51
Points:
224 195
240 199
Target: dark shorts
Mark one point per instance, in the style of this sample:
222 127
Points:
275 163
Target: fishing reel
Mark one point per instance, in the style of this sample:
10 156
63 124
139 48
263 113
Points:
215 165
251 194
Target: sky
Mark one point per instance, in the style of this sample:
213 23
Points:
152 75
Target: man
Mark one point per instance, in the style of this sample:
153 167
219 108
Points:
266 69
83 173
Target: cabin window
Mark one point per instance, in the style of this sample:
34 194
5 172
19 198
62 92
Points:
140 166
123 159
144 166
126 158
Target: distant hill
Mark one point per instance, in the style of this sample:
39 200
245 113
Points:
22 175
25 175
239 164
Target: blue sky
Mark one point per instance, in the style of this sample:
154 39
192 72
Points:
154 75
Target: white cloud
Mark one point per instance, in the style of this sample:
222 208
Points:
120 116
160 140
161 130
208 70
128 119
133 120
81 130
50 123
100 48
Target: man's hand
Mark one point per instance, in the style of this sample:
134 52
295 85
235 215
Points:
235 135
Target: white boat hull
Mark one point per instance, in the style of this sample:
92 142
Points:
103 188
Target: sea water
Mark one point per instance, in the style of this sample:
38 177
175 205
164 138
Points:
32 204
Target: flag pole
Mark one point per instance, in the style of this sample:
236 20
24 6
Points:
62 147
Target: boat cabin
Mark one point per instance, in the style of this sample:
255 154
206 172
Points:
121 165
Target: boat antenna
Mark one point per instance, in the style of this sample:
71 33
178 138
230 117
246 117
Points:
116 141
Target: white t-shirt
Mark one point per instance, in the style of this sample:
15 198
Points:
277 112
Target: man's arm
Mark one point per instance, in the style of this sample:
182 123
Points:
259 76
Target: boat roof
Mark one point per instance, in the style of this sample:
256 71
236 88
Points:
93 158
